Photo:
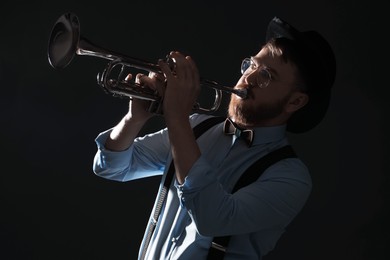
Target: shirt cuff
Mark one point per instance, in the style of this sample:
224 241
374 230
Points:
107 158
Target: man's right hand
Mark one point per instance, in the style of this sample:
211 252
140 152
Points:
138 108
123 134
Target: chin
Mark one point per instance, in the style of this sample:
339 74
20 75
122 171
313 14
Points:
236 112
247 113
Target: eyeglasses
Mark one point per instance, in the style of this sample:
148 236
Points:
263 75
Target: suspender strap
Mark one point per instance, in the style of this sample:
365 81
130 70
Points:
219 244
198 131
256 169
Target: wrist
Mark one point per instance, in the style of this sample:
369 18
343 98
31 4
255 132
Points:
129 118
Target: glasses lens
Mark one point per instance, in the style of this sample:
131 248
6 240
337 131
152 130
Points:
245 64
263 78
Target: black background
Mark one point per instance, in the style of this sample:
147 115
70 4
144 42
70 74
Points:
54 207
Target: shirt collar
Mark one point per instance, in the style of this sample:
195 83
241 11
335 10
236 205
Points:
268 134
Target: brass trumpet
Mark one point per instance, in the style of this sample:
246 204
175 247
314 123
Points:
65 41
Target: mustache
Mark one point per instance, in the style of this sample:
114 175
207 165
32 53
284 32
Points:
249 89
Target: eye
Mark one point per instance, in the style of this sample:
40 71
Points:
265 74
263 78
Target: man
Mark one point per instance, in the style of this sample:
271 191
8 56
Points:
288 84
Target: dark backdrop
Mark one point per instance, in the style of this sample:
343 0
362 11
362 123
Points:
54 207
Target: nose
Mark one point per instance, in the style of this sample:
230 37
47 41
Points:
250 78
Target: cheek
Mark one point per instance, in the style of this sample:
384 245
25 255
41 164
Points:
266 95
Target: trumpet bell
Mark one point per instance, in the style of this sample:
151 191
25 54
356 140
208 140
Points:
63 41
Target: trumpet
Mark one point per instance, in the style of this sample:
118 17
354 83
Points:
65 42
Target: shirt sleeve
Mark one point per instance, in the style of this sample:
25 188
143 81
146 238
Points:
273 200
146 157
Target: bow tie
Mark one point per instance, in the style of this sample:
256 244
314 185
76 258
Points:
229 128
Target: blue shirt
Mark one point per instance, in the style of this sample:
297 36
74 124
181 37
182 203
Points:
202 207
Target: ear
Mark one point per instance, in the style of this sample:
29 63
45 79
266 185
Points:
296 101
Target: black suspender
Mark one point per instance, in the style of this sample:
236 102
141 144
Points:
219 244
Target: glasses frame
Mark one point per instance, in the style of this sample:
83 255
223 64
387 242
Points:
263 77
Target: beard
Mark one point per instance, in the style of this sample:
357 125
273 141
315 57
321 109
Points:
252 114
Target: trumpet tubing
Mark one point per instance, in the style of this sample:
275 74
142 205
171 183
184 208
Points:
66 41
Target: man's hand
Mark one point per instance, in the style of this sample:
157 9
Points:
182 90
123 134
138 108
182 87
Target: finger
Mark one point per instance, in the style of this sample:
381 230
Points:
147 82
165 69
128 77
193 69
157 76
143 80
159 82
181 68
138 78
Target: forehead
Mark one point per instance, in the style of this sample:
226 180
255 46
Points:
274 60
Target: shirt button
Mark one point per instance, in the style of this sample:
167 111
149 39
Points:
174 239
